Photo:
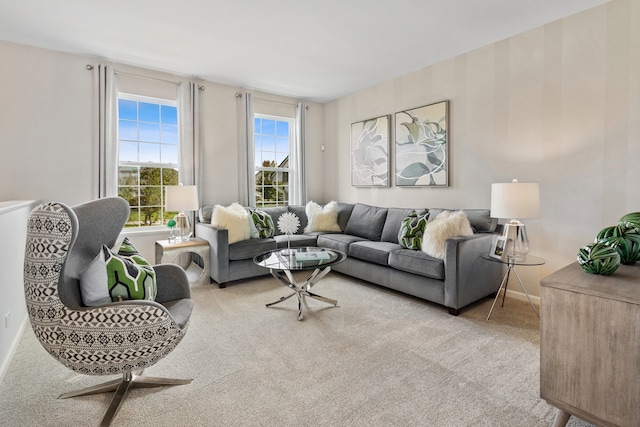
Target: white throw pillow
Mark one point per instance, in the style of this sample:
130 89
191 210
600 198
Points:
322 219
447 224
235 219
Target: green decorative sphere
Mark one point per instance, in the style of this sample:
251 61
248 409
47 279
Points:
625 239
171 223
598 258
631 220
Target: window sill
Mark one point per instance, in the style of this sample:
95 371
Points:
145 232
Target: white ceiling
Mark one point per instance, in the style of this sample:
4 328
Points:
309 49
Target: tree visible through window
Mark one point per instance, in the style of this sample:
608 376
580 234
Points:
272 142
148 156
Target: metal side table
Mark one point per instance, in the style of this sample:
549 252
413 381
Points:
528 261
183 254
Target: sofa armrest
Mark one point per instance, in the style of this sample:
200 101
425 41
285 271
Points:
218 239
468 276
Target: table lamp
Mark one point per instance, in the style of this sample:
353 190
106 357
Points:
515 200
182 198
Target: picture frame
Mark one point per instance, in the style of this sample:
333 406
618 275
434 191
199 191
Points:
422 146
498 246
370 152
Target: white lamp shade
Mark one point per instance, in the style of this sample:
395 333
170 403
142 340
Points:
181 198
515 200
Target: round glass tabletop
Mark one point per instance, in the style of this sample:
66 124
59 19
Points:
305 258
528 260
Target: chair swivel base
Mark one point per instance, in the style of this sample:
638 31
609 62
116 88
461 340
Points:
121 387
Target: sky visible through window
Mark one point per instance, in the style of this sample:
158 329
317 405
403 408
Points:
148 132
271 141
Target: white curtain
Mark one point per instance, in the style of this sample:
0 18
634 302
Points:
246 185
107 131
189 101
190 158
298 182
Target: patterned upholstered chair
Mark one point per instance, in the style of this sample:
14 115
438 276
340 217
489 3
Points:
120 338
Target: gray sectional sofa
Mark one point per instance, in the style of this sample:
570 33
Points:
369 237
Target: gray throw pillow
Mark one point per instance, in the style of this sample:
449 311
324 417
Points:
366 221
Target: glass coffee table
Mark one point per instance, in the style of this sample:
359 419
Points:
282 262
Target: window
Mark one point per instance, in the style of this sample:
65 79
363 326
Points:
272 142
148 156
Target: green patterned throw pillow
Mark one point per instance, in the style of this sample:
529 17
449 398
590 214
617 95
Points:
263 222
111 276
412 231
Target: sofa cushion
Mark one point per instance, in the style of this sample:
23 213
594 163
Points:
247 249
447 224
480 219
235 219
297 240
393 222
366 221
377 252
344 213
322 218
417 262
412 231
204 214
275 213
340 242
298 210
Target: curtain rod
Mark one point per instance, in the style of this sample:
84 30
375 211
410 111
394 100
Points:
240 95
126 73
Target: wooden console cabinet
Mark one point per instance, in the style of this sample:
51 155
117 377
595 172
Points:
590 345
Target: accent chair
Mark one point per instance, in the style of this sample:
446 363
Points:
119 338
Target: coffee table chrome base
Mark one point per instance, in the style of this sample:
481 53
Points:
504 284
301 291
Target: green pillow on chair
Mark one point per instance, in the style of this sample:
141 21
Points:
111 276
412 230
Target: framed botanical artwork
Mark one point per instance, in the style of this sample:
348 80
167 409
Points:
370 152
422 146
497 247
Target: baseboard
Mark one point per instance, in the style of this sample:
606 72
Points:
520 296
4 367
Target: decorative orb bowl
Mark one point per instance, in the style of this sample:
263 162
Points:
631 220
625 239
599 258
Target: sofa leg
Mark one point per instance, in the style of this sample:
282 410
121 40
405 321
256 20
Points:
454 311
222 285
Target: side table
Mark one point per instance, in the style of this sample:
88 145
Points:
182 254
511 263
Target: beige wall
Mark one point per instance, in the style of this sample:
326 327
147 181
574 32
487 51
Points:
48 132
558 105
46 125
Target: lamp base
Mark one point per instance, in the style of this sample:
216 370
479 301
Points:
183 226
517 246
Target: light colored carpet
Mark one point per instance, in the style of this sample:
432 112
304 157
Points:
380 358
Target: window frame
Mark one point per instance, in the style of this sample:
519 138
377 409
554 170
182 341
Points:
137 210
290 171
